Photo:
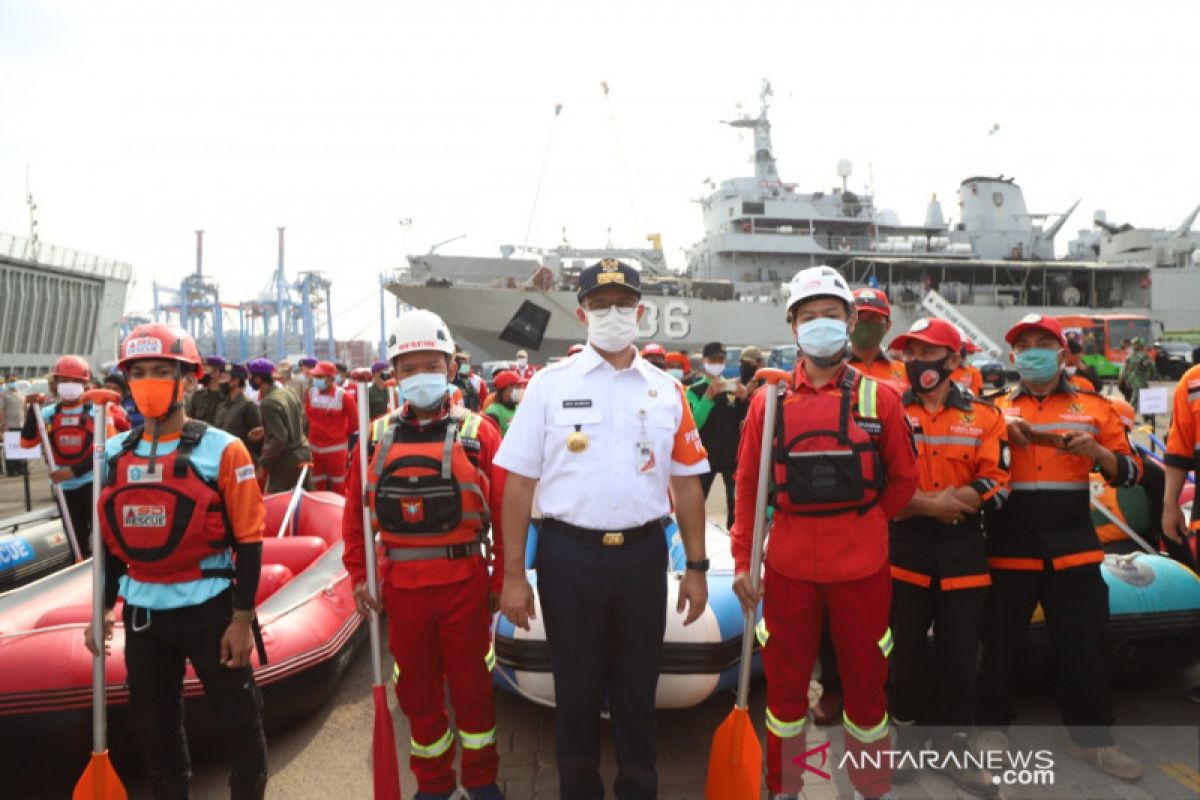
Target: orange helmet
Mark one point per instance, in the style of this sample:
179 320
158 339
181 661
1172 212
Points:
325 369
72 367
160 341
1125 412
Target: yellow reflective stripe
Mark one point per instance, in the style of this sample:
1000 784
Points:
785 730
477 741
867 398
866 735
378 427
431 750
490 659
885 643
395 673
761 633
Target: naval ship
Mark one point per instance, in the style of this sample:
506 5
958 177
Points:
995 264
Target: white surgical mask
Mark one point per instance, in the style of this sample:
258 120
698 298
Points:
522 363
613 330
70 391
676 373
714 370
517 394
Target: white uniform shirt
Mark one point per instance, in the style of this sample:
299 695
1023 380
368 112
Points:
639 432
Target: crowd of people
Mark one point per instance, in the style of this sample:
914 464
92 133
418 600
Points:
901 501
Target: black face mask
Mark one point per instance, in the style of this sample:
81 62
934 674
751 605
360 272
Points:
224 388
255 385
747 372
204 379
925 376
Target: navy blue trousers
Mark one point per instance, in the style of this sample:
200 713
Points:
604 609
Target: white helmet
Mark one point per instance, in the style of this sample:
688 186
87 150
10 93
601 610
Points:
418 330
818 282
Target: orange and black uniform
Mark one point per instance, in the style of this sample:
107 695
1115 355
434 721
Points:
881 368
1042 548
939 571
435 591
968 378
1183 442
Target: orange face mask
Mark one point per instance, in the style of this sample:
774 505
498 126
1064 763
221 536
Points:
155 396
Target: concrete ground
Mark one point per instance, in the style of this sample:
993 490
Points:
327 754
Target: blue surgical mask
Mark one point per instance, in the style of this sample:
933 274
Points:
676 373
320 383
1037 365
821 339
464 369
425 389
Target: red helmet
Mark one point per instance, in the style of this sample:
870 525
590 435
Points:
325 369
72 367
506 378
160 341
654 349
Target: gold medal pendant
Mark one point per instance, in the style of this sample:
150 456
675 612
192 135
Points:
577 442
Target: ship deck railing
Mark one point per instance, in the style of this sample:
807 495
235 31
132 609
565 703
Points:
36 253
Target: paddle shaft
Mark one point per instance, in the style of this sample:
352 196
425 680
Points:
756 547
293 502
1125 529
369 534
48 456
99 730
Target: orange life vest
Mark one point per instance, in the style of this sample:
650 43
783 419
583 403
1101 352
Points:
826 461
163 523
424 488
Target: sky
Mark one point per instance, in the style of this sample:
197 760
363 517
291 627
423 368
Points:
141 122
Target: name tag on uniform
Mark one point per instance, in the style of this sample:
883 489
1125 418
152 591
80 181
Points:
873 427
577 403
65 421
139 474
645 458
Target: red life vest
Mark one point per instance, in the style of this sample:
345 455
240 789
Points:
826 459
163 523
424 488
71 434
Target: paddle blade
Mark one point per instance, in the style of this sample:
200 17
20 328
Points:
99 781
735 760
383 750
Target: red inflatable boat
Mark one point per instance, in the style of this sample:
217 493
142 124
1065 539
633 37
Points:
305 608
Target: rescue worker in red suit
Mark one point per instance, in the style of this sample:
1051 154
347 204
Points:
69 427
332 417
939 565
179 481
827 552
436 588
1043 549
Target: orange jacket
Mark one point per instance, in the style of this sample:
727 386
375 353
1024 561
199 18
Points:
969 378
1183 442
882 368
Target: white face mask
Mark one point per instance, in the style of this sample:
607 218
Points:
522 363
516 395
714 370
612 331
70 391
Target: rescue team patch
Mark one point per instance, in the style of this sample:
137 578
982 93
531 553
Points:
245 473
138 474
70 439
413 510
577 403
144 517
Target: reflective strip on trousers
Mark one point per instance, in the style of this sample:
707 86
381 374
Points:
395 673
329 448
1060 486
885 644
761 633
477 741
490 659
866 735
431 750
785 730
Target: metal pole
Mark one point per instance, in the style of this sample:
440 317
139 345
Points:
382 327
99 731
369 535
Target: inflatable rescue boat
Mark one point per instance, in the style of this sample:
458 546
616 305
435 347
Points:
305 608
698 660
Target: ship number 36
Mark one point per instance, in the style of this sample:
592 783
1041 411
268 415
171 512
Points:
675 322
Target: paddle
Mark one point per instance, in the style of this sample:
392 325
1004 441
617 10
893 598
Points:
293 502
99 780
383 742
48 457
735 760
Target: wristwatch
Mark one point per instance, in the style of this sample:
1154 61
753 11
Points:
700 566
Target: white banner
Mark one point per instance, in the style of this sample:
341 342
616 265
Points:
13 449
939 306
1154 400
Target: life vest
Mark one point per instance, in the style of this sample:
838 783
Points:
826 461
71 433
424 488
163 523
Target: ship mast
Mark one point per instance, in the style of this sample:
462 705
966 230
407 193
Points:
764 153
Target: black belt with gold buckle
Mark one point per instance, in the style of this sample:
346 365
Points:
617 538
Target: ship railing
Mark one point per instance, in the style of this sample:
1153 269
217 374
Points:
835 242
19 248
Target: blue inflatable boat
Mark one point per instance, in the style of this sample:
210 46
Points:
698 660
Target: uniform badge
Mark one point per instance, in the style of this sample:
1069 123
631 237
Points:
413 510
577 442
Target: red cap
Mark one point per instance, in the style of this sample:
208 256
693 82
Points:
1030 321
654 349
325 369
971 346
937 332
873 300
506 378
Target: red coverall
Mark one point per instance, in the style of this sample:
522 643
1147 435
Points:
835 566
439 631
332 417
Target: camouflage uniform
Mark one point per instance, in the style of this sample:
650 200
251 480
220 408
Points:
1137 372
